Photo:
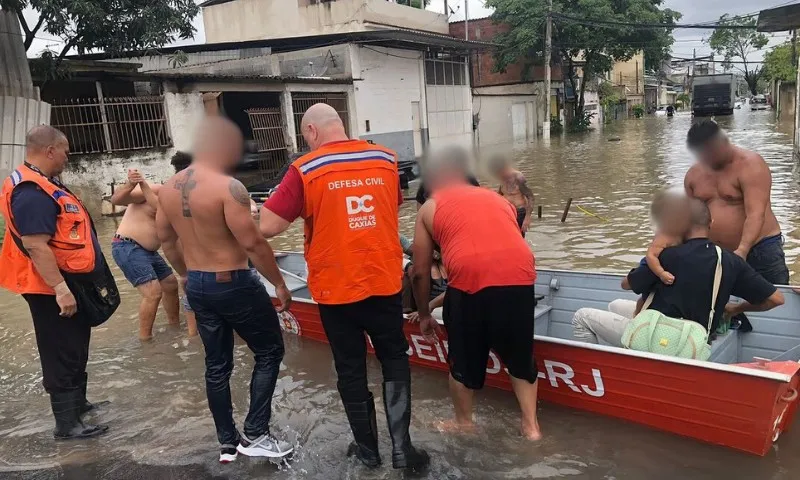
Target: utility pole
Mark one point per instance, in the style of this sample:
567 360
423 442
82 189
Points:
548 80
794 47
466 19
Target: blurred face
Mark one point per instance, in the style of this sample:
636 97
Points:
312 136
676 218
58 156
715 153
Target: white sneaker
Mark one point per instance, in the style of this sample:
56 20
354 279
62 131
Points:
264 446
227 454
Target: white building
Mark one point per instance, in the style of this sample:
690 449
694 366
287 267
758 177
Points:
391 71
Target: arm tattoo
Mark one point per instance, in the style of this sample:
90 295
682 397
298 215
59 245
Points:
239 193
186 185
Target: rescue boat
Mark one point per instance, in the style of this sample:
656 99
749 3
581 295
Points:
744 397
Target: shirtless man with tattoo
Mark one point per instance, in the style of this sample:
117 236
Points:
135 250
735 184
209 212
514 189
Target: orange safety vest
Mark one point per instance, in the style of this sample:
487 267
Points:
352 243
71 244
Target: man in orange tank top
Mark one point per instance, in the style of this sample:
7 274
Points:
490 301
348 192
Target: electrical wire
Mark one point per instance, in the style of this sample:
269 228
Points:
614 23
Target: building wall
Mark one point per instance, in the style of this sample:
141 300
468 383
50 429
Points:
258 19
630 74
96 172
785 100
483 64
385 93
497 114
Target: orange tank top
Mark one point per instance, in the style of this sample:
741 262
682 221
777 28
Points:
480 240
352 244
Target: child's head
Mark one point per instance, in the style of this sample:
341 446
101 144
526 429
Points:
670 212
499 165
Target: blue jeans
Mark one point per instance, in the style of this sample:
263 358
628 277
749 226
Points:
767 258
138 264
225 302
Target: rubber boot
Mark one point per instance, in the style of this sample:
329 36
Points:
86 405
67 412
397 400
365 431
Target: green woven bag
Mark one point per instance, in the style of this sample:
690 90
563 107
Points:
652 331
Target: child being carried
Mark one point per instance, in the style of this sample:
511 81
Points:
671 221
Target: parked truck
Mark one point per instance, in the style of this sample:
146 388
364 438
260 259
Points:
713 94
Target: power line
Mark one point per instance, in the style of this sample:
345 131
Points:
614 23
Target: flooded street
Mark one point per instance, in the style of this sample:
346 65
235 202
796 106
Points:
161 427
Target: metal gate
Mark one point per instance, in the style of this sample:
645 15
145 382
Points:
301 102
269 134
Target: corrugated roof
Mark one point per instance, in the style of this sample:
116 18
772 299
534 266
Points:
210 77
779 19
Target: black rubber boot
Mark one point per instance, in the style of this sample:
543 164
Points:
397 400
86 405
365 431
67 412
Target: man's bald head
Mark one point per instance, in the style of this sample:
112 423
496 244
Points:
218 142
322 124
47 148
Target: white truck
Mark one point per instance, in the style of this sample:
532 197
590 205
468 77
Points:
713 94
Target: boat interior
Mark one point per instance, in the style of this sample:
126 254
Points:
775 335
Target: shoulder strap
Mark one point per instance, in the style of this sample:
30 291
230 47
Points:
715 291
647 302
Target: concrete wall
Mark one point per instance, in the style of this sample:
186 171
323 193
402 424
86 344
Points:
388 85
259 19
494 107
785 101
630 74
156 63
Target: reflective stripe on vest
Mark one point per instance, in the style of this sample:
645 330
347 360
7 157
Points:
71 243
352 242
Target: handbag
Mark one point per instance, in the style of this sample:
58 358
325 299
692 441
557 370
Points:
652 331
96 294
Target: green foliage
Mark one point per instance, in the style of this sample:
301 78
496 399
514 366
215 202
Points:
419 3
112 26
598 45
177 59
638 110
778 64
683 99
556 127
581 123
739 44
609 97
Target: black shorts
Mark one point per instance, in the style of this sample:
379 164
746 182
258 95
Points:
496 318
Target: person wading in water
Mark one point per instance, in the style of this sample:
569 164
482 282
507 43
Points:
348 193
208 211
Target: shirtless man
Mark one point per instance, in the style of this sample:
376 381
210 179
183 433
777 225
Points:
209 212
735 184
135 250
514 189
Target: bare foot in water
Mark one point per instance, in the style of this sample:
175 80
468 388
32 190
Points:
532 433
454 426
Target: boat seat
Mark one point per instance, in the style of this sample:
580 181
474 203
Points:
725 348
541 310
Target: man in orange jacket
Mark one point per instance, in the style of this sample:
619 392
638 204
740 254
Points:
348 193
50 234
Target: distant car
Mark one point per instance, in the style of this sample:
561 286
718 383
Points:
661 111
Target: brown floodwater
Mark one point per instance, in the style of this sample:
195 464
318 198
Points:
161 427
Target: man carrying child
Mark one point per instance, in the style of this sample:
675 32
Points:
687 291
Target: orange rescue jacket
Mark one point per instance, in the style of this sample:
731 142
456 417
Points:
352 244
72 243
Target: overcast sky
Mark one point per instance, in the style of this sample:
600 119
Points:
694 11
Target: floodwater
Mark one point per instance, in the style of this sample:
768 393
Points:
161 427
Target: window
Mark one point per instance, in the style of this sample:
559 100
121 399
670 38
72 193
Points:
445 69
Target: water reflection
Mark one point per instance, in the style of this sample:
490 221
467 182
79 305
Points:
160 423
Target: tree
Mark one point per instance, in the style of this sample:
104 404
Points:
588 45
778 64
112 26
739 43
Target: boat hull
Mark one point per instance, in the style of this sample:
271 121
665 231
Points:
730 408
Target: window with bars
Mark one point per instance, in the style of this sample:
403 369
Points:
445 69
302 101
